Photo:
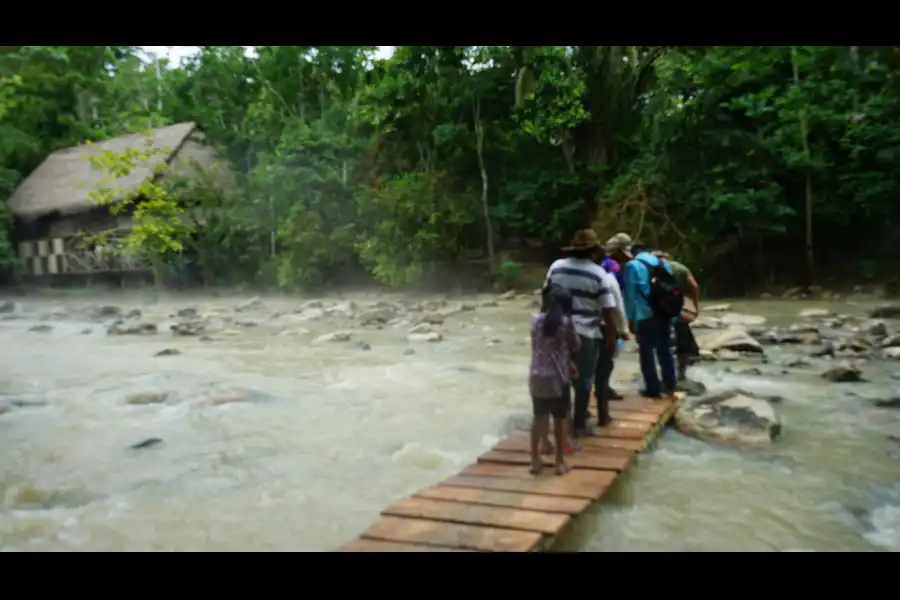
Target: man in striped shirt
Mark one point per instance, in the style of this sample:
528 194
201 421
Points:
593 306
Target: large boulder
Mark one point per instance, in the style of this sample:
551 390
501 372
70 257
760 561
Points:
732 418
737 340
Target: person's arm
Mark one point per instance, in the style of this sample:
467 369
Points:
694 291
571 336
631 289
621 321
607 302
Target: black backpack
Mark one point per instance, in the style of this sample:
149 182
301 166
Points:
665 299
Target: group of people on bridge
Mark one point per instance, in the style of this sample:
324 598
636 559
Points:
593 300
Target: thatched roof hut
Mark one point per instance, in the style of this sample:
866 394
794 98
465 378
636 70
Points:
62 183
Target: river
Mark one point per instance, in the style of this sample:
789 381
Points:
266 440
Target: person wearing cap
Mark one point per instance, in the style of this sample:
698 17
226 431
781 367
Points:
651 331
685 344
593 308
616 252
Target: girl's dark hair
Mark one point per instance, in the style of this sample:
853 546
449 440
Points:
557 304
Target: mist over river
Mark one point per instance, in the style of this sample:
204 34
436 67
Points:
288 423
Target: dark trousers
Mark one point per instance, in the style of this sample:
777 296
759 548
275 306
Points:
602 374
653 344
586 362
685 347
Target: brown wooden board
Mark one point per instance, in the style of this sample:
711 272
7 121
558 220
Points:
580 460
640 404
634 415
519 442
592 443
451 535
477 514
627 433
590 485
567 506
634 425
361 545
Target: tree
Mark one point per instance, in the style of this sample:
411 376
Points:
158 225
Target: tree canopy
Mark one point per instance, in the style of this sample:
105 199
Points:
750 162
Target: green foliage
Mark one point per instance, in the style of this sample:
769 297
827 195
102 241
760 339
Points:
509 274
416 221
158 224
339 160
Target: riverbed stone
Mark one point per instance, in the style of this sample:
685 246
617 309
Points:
168 352
891 341
717 308
893 402
741 320
376 316
814 313
842 374
188 328
250 304
106 311
121 328
891 353
885 311
874 327
508 295
731 418
41 329
733 339
336 336
425 337
8 307
147 397
691 387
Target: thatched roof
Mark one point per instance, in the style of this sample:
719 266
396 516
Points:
61 183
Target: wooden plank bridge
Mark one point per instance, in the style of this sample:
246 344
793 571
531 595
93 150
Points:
496 505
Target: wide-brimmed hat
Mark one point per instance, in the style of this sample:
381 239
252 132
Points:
584 239
621 242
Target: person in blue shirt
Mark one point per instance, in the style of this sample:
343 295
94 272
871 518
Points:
651 331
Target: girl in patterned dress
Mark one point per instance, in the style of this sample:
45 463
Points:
553 340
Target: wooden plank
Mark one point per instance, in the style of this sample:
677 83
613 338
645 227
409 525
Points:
361 545
634 425
592 443
477 514
626 433
590 485
551 504
639 404
580 460
633 415
450 535
519 442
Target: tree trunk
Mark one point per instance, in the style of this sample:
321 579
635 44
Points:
479 147
804 136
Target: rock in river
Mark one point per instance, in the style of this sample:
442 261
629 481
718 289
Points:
732 418
729 339
120 328
843 374
886 311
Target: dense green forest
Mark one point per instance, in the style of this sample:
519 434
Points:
749 162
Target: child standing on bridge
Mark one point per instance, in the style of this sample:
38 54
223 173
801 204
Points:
553 340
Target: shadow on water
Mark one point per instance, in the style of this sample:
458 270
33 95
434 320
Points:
258 437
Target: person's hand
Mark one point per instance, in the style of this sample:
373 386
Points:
610 345
573 371
688 316
625 337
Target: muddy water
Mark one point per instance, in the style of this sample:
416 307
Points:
270 441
